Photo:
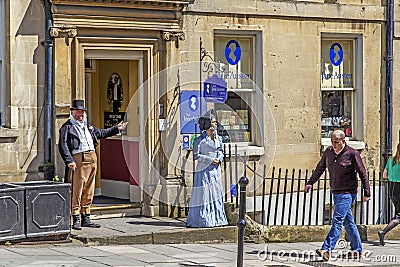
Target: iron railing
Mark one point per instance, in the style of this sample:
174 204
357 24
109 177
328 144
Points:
278 197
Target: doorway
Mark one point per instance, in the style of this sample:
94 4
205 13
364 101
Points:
111 89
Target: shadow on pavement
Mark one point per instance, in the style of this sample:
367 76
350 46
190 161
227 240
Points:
159 223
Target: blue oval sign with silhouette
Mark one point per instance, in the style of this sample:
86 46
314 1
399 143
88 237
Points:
233 52
336 54
192 103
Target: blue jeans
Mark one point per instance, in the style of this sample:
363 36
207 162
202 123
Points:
342 216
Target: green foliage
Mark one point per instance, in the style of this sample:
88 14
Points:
7 243
56 179
48 164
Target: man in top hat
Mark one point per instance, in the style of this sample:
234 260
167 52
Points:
77 144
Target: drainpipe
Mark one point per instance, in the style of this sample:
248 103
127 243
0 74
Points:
389 78
2 68
48 167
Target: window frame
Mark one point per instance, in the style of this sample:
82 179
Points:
256 128
357 113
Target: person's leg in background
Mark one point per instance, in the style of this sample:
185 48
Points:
394 194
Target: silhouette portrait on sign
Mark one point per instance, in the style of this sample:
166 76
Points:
234 52
336 54
193 101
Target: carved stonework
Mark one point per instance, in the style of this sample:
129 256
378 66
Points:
168 35
62 32
175 4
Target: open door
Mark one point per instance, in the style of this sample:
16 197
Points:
111 90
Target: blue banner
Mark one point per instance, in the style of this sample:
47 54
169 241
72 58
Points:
190 111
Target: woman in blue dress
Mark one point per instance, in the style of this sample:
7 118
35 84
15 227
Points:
206 207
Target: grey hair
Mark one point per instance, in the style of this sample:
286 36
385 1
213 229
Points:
338 133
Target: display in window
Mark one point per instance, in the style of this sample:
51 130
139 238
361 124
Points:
234 125
243 116
336 112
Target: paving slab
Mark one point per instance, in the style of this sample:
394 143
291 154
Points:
116 260
35 252
41 262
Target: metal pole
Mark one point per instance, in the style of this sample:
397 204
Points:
48 117
70 195
241 223
201 60
389 76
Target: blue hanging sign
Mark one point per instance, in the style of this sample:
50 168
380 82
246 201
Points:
215 89
233 52
190 111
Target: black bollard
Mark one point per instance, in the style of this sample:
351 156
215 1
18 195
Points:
241 223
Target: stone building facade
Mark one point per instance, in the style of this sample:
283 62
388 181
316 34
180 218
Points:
295 71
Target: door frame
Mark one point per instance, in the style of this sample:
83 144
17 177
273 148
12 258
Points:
87 49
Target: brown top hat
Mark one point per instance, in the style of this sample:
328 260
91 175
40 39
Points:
78 104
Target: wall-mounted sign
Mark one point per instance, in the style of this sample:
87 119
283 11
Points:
233 52
190 111
215 89
162 125
113 118
185 142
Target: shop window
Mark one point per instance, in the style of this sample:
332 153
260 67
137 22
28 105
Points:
235 53
234 118
2 65
341 86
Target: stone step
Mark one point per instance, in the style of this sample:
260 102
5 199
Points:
103 211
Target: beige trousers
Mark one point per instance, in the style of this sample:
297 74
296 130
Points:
83 182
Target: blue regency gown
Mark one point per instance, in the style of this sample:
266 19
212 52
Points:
206 208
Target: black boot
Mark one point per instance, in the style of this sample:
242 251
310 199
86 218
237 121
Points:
86 222
392 224
76 222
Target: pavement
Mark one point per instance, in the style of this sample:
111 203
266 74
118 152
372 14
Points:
184 255
135 241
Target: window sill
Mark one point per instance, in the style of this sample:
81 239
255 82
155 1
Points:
250 150
358 145
8 135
